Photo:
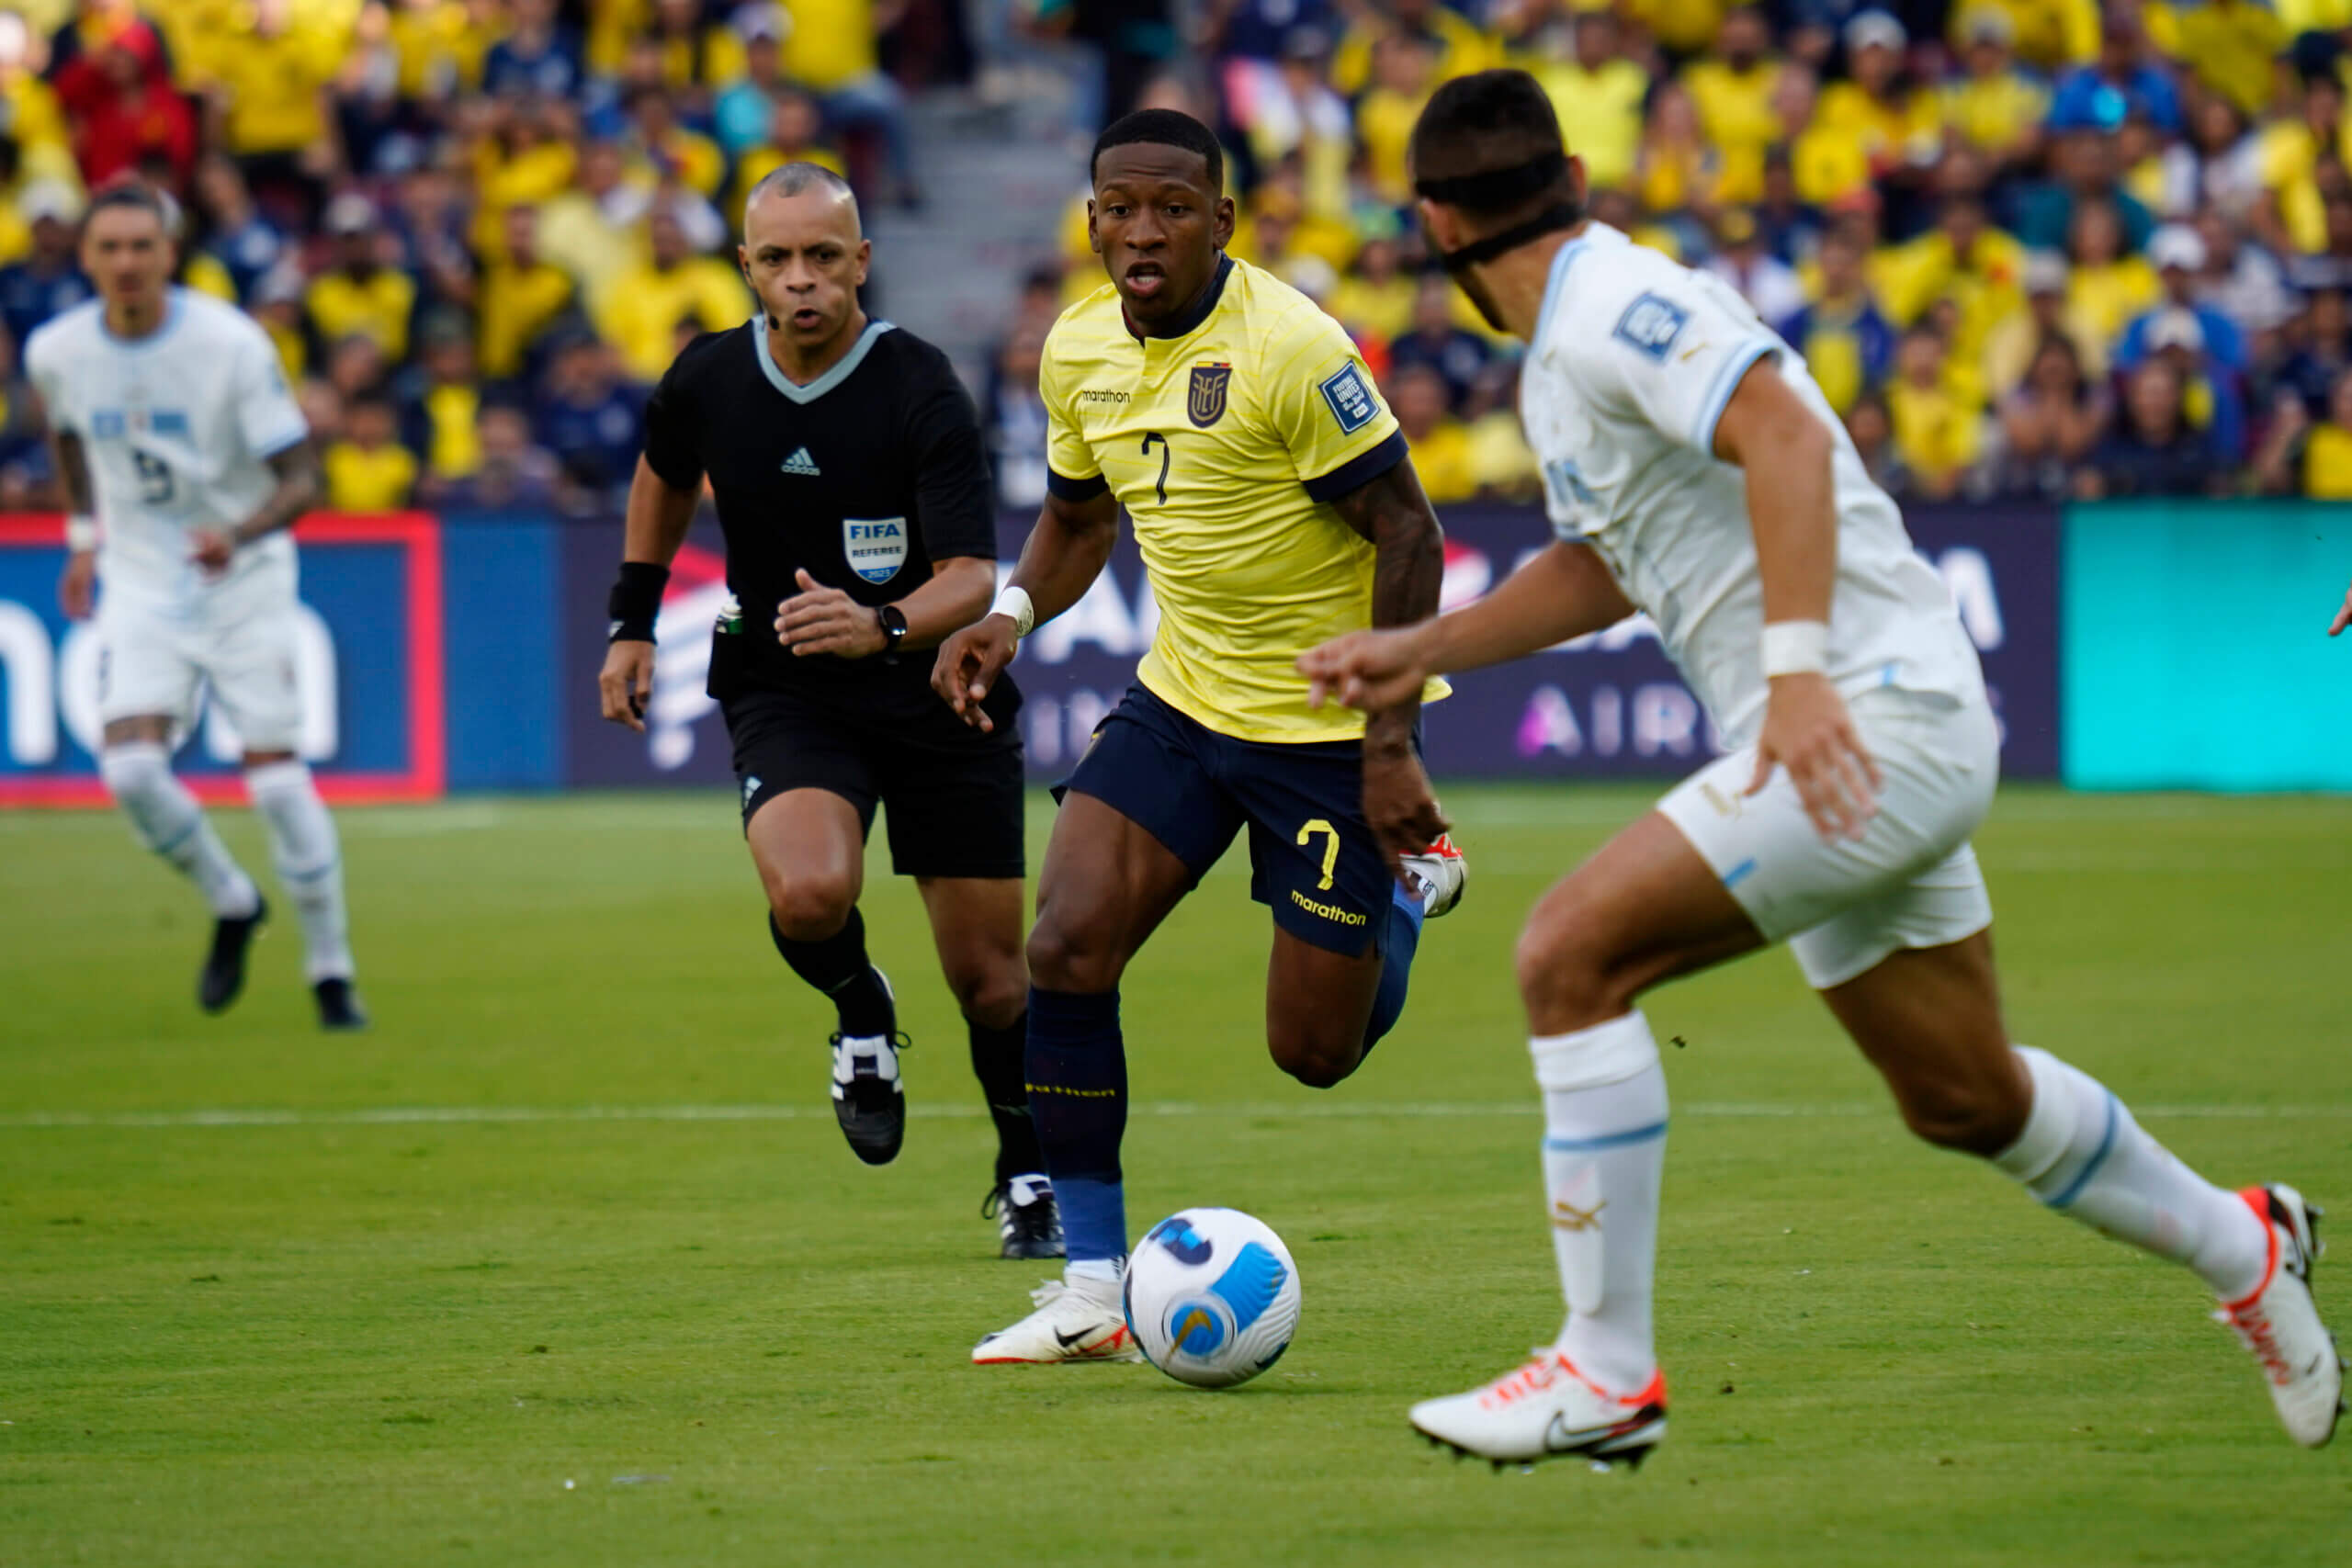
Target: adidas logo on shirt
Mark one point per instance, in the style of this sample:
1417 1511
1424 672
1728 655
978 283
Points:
801 463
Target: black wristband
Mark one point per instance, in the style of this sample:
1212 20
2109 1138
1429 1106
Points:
636 601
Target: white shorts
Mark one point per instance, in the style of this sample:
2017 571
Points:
1910 881
154 657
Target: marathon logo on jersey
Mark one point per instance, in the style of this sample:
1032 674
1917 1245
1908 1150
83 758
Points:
1206 404
877 546
1651 324
1352 401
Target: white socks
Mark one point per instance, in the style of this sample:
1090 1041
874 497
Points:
310 863
2082 1153
167 819
1604 1152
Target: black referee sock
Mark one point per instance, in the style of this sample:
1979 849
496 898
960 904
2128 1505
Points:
996 1062
838 966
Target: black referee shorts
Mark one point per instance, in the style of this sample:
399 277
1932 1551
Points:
954 795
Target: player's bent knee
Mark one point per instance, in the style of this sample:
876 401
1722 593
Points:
1070 958
1563 976
1318 1064
1965 1116
810 908
991 996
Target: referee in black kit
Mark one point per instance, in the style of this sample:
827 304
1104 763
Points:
854 496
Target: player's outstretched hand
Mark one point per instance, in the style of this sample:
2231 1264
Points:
77 587
825 620
1808 731
627 684
969 663
1399 806
211 549
2343 617
1366 671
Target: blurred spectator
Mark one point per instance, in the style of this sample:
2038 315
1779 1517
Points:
2154 451
1845 340
440 400
642 311
2228 46
1597 94
522 292
1826 166
741 117
1404 74
276 304
538 56
2081 170
1732 89
1014 420
2224 165
1740 259
1501 460
657 139
356 368
592 420
2208 389
2179 255
1375 298
2127 78
830 49
24 467
1895 126
1872 429
123 106
368 469
2329 263
235 233
1436 343
2011 345
1288 109
1421 401
271 107
2051 423
1791 225
1994 106
357 295
2294 154
589 232
1454 44
2050 34
793 126
2318 343
2109 285
512 475
1938 429
696 60
49 281
322 408
2241 279
1676 169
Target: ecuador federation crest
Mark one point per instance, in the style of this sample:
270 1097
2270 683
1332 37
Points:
1206 404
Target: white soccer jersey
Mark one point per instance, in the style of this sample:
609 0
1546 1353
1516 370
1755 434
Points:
1633 360
178 428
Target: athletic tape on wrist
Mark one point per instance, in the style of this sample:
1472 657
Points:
81 532
1795 647
1014 603
634 602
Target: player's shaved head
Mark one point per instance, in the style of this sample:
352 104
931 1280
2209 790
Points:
797 179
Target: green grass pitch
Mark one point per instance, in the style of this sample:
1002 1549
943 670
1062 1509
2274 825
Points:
565 1263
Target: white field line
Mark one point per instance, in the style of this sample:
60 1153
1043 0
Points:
1367 1110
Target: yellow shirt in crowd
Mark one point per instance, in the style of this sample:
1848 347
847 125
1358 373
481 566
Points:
362 479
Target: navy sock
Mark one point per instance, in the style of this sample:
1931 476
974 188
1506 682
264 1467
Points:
1077 1102
1398 943
999 1062
838 966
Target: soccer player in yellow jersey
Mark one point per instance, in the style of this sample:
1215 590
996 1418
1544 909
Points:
1274 504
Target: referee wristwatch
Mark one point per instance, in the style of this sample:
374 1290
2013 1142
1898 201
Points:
893 622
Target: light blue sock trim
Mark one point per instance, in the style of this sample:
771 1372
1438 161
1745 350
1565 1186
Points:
1606 1141
2098 1158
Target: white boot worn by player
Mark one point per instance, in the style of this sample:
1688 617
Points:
2280 1323
1439 874
1546 1409
1076 1319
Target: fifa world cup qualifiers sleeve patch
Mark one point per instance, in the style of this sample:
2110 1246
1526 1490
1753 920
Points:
1351 400
1651 324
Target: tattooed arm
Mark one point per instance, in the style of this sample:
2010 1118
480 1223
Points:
298 487
1408 566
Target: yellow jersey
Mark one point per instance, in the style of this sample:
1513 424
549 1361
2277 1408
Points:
368 479
1226 444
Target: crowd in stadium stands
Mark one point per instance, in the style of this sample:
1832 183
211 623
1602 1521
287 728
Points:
2030 248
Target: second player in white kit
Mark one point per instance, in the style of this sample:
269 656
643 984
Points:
187 460
1693 471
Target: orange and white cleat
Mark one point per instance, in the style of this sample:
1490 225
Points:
1439 875
1076 1320
2280 1323
1547 1409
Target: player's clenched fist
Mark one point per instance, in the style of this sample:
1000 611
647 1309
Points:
1808 731
627 682
969 663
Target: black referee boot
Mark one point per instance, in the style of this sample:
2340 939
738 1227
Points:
1022 1207
868 1100
224 967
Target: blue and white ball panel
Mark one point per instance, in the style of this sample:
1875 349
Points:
1211 1296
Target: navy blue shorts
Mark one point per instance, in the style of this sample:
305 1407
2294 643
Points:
1312 856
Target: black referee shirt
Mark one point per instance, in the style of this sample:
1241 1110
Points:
865 477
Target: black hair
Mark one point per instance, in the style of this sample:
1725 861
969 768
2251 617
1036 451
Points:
1161 128
1483 123
138 196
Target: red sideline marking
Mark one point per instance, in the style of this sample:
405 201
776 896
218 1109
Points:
426 776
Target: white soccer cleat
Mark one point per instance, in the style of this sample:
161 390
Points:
1439 875
2280 1322
1076 1320
1546 1409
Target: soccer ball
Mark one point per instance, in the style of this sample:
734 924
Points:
1212 1297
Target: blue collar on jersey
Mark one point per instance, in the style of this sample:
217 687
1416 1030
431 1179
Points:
842 368
1193 314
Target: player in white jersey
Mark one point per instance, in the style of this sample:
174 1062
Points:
185 461
1694 471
